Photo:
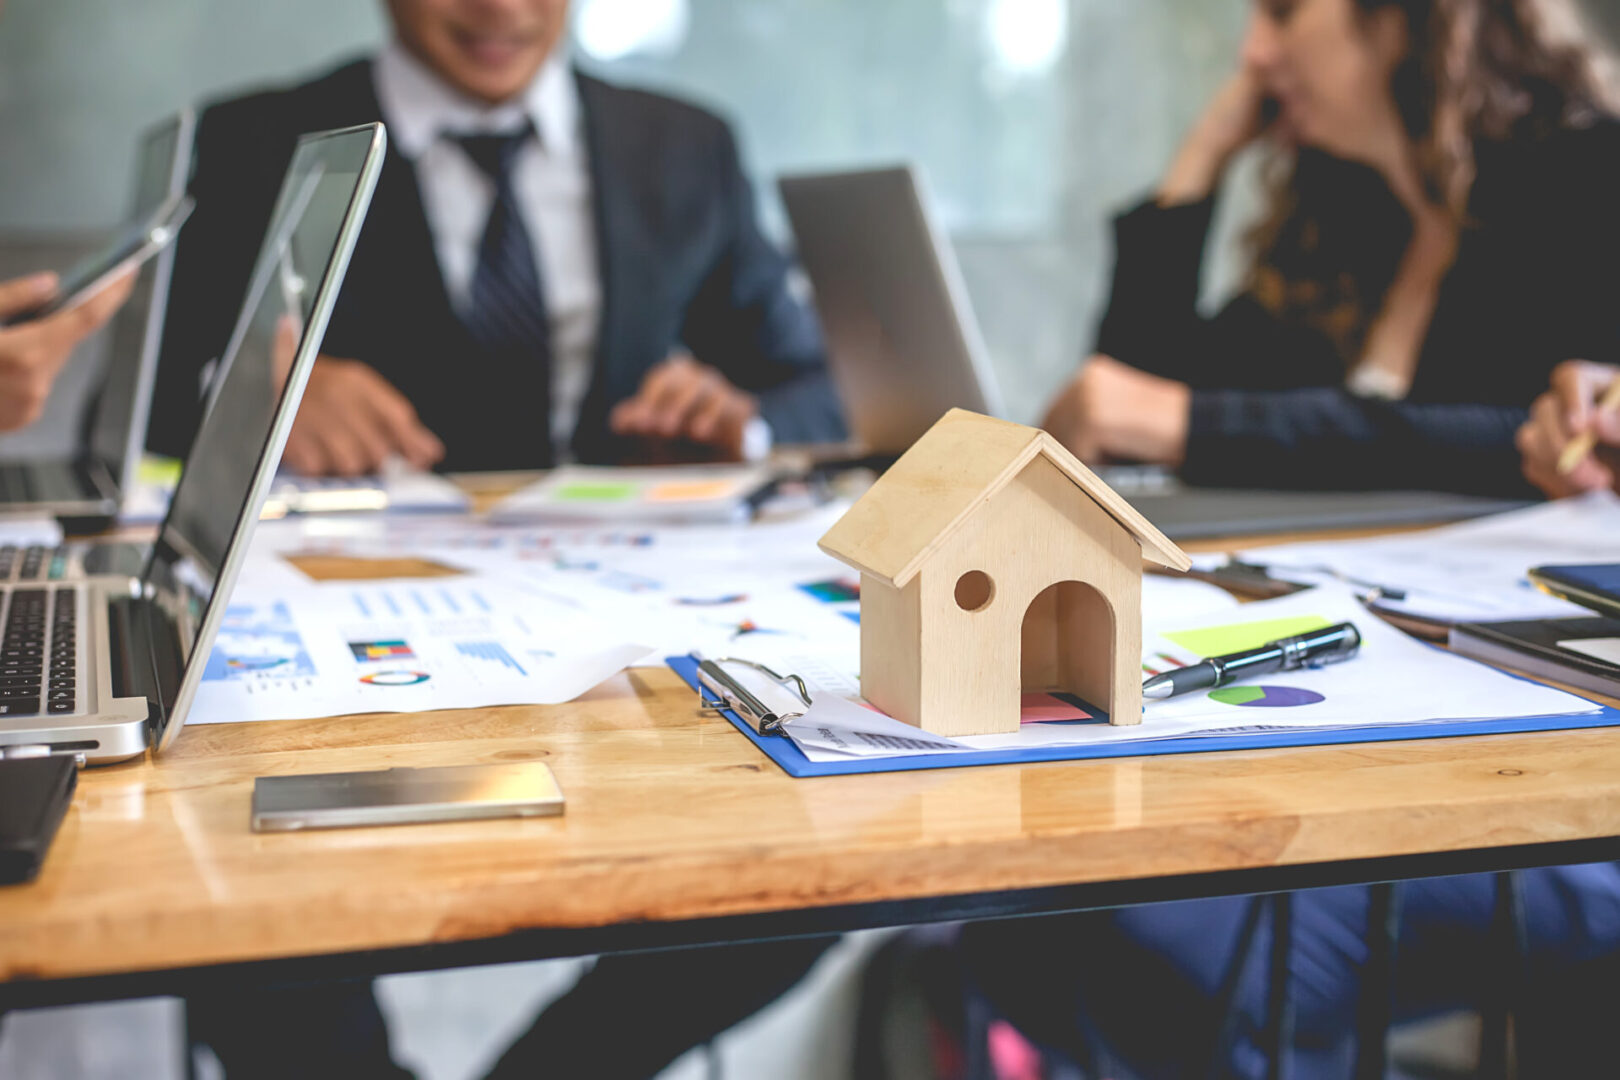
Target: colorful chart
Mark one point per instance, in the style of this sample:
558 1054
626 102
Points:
256 663
492 651
258 642
626 582
372 652
394 678
1266 697
837 591
1057 707
749 626
1159 663
711 601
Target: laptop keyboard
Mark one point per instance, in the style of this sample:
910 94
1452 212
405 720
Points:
39 653
35 562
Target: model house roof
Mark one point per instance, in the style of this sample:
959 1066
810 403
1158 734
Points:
955 468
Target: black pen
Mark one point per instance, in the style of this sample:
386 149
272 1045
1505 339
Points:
1328 645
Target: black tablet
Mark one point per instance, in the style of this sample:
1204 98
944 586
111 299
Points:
1596 586
34 795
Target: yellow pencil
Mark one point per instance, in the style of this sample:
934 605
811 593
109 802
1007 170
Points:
1584 443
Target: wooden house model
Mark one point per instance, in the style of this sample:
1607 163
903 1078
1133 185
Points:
994 564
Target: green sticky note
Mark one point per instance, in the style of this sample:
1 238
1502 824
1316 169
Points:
1219 640
163 472
603 492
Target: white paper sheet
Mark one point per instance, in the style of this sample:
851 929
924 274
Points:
402 646
1604 649
1475 571
835 727
762 591
26 531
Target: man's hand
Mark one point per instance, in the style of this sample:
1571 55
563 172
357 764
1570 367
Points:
682 400
1113 412
351 419
32 353
1566 410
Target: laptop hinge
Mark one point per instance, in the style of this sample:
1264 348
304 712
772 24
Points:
144 659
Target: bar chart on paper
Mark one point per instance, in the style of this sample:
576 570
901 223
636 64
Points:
490 652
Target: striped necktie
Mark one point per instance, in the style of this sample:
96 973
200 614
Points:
506 307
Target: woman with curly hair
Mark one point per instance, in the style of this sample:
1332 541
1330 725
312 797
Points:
1442 232
1439 233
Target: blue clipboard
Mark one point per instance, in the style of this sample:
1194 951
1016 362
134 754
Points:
780 748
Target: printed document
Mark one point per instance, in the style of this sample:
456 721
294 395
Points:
1393 681
400 646
1472 572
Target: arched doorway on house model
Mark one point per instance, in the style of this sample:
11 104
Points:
1067 644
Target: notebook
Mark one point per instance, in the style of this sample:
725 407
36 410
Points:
1583 652
686 493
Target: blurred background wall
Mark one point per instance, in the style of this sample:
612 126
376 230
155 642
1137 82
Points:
1033 119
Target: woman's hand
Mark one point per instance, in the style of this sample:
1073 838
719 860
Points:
1566 410
1233 119
1110 411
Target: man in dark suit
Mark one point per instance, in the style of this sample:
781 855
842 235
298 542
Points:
552 267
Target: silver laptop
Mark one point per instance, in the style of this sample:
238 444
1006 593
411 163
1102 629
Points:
1185 512
106 665
902 343
91 484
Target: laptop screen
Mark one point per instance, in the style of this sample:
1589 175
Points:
255 396
162 166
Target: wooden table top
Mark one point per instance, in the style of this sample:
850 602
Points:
672 815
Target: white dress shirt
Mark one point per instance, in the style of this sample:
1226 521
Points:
552 182
551 179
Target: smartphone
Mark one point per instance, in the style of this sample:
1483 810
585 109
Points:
404 796
1596 587
34 796
133 245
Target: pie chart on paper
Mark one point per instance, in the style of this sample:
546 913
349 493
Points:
1265 697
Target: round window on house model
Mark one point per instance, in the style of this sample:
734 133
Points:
974 591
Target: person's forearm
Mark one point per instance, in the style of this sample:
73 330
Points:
1327 438
804 409
1152 320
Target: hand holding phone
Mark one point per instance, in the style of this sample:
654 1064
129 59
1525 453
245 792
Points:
134 244
32 353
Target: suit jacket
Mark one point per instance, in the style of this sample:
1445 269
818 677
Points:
680 254
1534 282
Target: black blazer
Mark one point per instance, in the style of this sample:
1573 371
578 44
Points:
1534 282
680 254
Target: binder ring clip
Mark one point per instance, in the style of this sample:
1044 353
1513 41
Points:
781 680
730 694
